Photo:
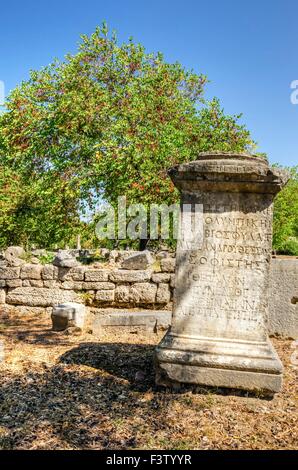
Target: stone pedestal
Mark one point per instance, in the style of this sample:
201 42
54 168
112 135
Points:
68 315
218 335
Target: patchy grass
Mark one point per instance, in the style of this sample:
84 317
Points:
78 392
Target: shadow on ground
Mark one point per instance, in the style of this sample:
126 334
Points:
131 362
135 363
100 396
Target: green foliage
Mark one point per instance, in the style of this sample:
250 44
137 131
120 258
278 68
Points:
35 210
285 220
26 256
108 121
46 258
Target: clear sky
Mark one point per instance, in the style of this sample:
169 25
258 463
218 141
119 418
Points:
248 49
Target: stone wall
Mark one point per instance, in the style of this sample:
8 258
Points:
129 280
283 300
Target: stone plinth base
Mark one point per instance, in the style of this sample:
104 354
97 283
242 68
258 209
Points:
150 320
218 363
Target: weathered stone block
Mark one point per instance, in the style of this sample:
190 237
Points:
163 294
65 259
14 282
143 293
105 295
2 283
9 273
50 284
40 297
36 282
98 285
13 255
15 262
118 256
72 285
161 277
49 272
141 260
72 274
31 271
68 315
123 275
96 275
77 273
168 265
2 296
14 252
122 294
63 274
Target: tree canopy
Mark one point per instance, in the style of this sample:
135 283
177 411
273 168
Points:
285 220
106 121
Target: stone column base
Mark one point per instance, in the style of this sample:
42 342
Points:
247 365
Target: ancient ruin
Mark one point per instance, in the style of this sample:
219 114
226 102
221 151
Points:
218 335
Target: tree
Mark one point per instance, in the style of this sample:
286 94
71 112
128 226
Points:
285 217
35 212
109 121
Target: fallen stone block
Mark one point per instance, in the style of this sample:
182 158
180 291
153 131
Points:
65 259
141 260
149 319
14 255
68 315
14 252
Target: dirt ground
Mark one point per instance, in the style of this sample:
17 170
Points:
60 391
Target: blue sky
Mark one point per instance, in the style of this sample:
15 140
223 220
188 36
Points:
248 49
